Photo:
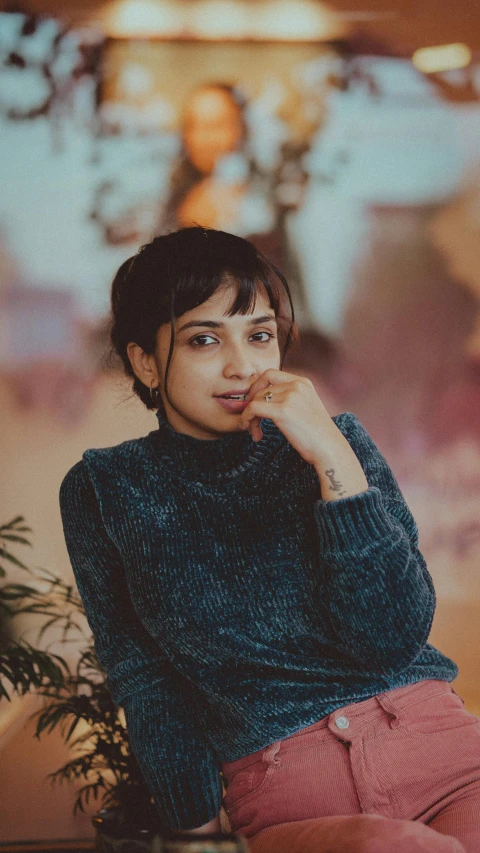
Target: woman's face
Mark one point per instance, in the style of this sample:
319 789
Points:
212 127
216 356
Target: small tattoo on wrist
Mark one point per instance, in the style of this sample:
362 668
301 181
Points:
335 485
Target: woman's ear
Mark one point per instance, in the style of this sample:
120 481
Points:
143 365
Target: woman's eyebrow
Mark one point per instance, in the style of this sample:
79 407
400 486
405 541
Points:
214 324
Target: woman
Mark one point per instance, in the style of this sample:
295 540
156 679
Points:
252 578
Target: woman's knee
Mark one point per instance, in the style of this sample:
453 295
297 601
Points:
353 834
375 834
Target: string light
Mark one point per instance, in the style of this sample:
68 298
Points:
296 20
444 57
143 18
237 20
219 19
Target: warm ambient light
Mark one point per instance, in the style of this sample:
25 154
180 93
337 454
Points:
143 18
444 57
217 19
278 20
296 20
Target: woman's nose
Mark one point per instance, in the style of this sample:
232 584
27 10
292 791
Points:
239 363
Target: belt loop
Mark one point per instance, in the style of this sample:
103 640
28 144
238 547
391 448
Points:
389 706
270 753
457 694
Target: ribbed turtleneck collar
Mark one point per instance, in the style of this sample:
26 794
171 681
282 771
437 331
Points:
217 460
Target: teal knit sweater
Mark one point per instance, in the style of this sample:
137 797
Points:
231 605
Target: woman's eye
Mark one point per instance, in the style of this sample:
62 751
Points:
200 340
268 334
196 342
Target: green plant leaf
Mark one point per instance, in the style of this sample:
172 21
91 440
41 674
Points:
101 756
13 537
5 555
12 523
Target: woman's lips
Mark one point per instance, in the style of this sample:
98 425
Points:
232 405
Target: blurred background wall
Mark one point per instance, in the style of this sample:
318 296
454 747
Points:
341 139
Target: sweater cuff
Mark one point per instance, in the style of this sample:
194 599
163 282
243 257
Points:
191 806
350 524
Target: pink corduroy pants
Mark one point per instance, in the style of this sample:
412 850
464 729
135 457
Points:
397 773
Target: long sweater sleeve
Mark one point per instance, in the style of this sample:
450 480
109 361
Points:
380 598
163 723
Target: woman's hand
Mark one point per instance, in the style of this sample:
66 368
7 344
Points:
296 409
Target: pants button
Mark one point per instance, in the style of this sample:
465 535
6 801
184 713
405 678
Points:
342 722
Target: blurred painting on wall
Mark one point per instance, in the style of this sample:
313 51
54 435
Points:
242 117
352 171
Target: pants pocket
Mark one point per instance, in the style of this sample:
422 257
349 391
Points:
440 712
250 779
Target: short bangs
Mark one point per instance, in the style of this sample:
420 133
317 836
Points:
212 260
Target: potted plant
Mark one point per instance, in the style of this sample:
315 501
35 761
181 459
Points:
77 702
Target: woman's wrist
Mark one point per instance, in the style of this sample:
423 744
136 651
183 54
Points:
340 473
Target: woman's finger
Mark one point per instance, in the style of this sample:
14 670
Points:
271 377
258 409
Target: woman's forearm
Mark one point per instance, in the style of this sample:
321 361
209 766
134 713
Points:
340 473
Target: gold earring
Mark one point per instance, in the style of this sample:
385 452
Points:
157 398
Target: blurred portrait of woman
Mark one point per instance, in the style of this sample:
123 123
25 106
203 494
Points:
218 183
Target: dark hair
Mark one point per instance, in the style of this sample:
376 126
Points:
175 273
